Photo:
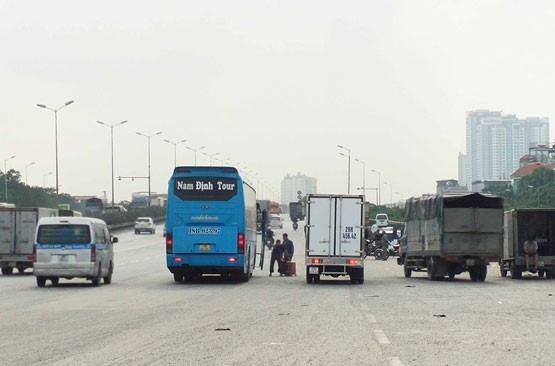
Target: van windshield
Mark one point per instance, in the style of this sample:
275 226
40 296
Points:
64 234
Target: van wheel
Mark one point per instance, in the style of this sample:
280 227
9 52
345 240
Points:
108 279
41 281
96 279
7 270
55 281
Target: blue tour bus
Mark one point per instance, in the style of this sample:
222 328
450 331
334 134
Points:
210 223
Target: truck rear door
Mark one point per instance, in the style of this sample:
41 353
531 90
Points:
321 218
348 226
7 231
26 224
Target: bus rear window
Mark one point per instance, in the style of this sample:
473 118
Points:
205 188
64 234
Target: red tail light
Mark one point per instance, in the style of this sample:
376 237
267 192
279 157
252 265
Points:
93 253
315 261
34 254
352 261
169 243
240 243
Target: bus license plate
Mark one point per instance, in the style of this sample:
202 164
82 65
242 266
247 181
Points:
204 246
313 270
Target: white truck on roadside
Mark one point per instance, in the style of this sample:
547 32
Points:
334 237
17 236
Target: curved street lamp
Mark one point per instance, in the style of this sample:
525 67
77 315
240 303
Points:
56 133
44 179
26 166
379 186
148 138
348 155
6 176
174 150
111 127
195 150
363 175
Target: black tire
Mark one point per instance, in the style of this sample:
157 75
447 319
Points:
316 279
548 274
482 272
108 279
55 281
406 271
430 270
41 281
7 270
178 277
378 254
502 269
541 273
96 279
516 273
451 270
21 269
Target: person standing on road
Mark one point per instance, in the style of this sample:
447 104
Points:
289 248
277 255
531 249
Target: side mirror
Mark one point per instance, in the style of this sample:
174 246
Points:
115 239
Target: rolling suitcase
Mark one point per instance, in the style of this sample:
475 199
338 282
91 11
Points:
290 268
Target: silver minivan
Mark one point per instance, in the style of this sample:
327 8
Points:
68 247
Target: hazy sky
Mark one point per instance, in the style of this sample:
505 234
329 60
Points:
273 85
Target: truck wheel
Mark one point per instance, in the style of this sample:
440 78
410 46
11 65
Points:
431 270
55 281
548 274
482 272
407 271
41 281
516 272
7 270
502 269
21 269
541 273
316 279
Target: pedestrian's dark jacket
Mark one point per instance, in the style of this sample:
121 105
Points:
278 250
289 248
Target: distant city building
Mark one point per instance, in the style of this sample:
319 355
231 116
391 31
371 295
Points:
291 184
449 186
483 185
495 143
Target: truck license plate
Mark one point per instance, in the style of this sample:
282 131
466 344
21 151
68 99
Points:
313 270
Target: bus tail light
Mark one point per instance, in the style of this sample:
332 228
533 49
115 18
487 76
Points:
93 253
241 243
169 243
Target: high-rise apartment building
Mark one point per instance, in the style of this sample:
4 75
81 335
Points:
291 184
495 142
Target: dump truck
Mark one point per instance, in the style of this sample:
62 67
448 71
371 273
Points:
334 237
17 236
519 225
448 234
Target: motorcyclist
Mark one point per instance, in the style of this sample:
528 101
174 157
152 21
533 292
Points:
269 238
381 238
295 225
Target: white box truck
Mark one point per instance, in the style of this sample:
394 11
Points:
17 236
334 237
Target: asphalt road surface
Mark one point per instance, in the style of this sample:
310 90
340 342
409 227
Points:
145 318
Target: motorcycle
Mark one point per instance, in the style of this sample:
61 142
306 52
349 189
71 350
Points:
295 226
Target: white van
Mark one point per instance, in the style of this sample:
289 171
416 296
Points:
382 219
68 247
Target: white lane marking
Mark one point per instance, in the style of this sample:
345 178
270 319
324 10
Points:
395 361
370 318
364 307
381 337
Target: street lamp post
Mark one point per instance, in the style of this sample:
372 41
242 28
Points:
56 133
222 160
370 189
112 126
148 138
195 150
26 166
44 179
349 169
537 194
174 150
363 175
390 192
210 156
379 186
6 176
